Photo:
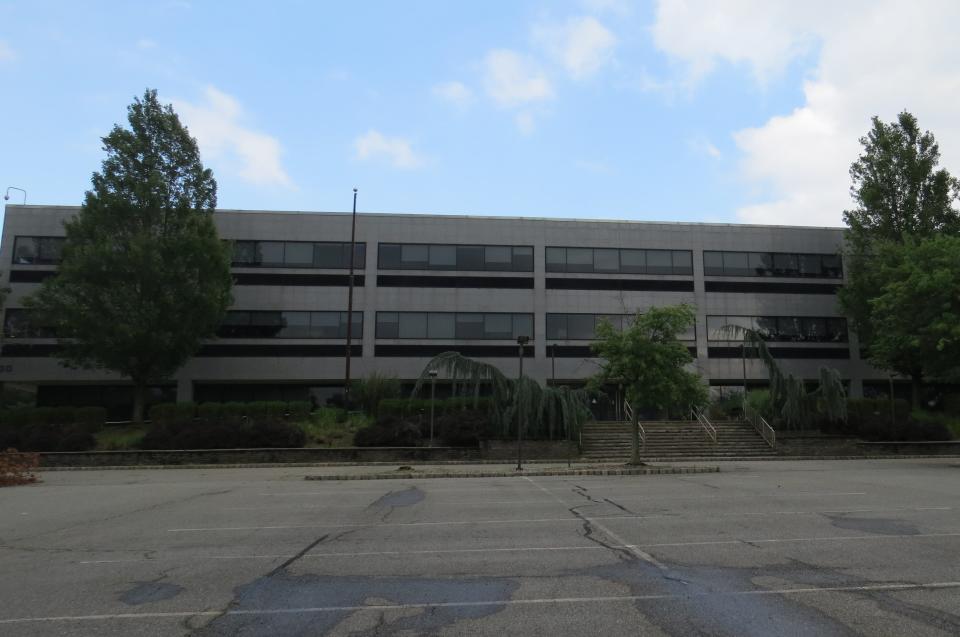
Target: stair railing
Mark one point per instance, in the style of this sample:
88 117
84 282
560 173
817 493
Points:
761 425
628 412
708 427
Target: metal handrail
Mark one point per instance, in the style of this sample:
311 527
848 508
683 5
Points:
628 412
759 423
708 427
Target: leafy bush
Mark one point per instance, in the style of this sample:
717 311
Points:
404 407
369 392
870 418
210 412
761 402
389 431
173 413
212 434
460 429
726 408
951 404
76 439
232 413
92 419
299 409
273 434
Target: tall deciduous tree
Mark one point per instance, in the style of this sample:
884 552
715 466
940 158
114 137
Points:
917 313
901 196
144 277
649 361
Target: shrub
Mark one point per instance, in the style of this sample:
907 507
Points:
210 412
161 413
76 439
870 418
759 400
41 438
389 431
233 413
273 434
460 429
209 433
92 419
17 468
299 409
951 404
369 392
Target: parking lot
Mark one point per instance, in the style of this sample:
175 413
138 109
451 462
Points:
764 548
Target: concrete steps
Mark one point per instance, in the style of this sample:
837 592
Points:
674 440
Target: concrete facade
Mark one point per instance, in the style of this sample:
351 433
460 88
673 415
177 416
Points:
799 297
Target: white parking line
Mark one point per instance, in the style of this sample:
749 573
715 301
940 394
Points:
486 603
277 527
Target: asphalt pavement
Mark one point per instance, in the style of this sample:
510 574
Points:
857 547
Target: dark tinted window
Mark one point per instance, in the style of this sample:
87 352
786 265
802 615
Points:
454 326
780 328
297 254
415 256
781 264
623 260
582 327
37 250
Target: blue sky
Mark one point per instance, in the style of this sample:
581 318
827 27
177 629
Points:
596 108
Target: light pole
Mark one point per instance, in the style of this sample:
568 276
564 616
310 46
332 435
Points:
353 251
521 341
6 195
433 399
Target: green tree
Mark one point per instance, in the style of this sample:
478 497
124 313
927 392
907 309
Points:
650 362
901 196
144 277
917 311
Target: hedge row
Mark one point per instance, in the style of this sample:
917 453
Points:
51 428
405 408
91 418
229 413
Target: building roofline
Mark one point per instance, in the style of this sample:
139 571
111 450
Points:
480 217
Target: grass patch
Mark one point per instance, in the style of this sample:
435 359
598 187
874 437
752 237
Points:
329 427
119 438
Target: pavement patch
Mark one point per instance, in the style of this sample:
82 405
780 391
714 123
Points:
149 592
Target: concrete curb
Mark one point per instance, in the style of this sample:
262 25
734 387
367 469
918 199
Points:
624 471
308 465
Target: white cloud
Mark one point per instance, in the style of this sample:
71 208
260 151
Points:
582 45
396 150
868 58
454 92
216 124
703 146
618 7
146 43
7 54
512 79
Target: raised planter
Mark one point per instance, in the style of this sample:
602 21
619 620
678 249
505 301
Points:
532 450
253 456
922 447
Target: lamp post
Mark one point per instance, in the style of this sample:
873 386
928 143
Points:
521 341
353 252
6 195
433 399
